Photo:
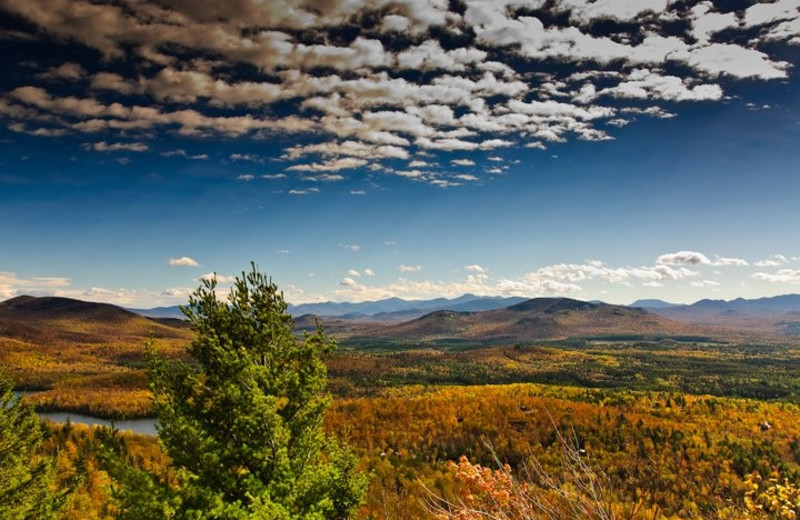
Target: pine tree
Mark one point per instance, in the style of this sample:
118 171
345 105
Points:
243 421
27 490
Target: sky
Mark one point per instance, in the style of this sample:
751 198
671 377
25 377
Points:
364 149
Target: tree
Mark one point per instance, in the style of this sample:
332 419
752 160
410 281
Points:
243 422
27 477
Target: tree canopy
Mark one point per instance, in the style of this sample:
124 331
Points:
27 477
242 422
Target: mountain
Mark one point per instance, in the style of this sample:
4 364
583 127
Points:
653 304
740 308
539 318
396 309
52 320
173 312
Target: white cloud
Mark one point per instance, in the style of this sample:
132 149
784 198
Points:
355 248
344 163
12 285
704 283
246 177
306 191
102 146
403 268
246 157
782 276
723 261
353 272
358 105
183 261
684 258
368 272
463 162
773 261
221 278
182 153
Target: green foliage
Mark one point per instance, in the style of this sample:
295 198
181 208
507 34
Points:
27 478
243 423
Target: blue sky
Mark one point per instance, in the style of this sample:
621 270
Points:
605 150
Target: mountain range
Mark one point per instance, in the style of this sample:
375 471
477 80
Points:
54 320
398 310
390 309
720 309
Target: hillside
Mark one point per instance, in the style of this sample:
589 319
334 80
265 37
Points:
539 318
82 352
55 320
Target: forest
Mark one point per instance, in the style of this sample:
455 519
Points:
584 427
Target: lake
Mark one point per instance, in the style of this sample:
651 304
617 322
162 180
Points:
143 426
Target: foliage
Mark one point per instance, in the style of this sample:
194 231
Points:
243 424
486 494
772 498
28 488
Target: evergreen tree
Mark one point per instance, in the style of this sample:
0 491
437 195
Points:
243 422
27 490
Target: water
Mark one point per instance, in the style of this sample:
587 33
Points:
143 426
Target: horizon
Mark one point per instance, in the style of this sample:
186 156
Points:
330 302
361 151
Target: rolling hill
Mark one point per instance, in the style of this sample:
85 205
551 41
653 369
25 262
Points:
49 320
539 318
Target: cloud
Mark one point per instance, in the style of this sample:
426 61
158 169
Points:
221 278
368 272
183 261
773 261
403 268
355 248
348 282
246 177
395 87
353 272
325 177
782 276
723 261
684 258
330 165
246 157
182 153
12 285
66 71
704 283
463 162
306 191
102 146
475 268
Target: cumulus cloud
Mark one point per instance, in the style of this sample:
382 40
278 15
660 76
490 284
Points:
393 88
183 261
684 258
12 285
773 261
